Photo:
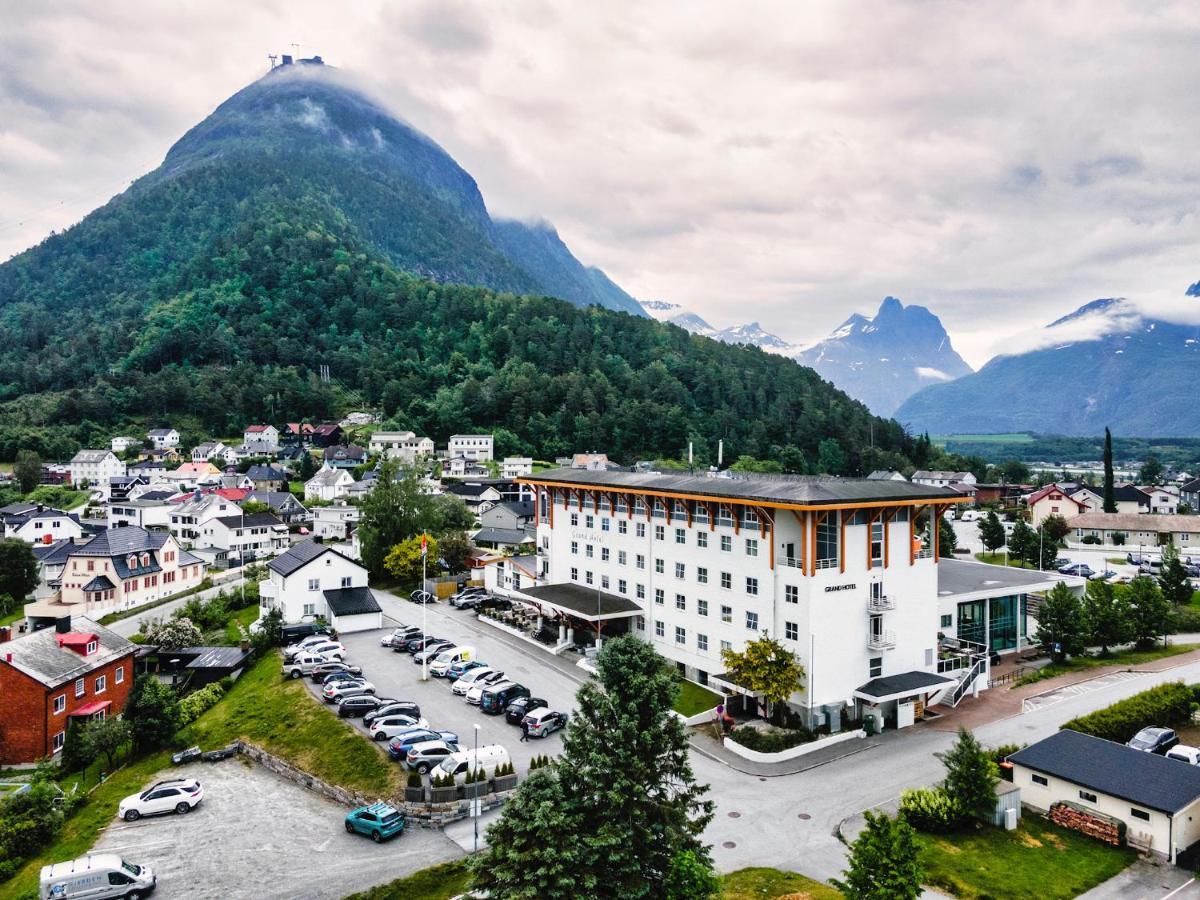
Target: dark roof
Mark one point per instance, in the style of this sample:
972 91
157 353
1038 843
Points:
99 583
801 490
40 657
216 657
13 509
56 553
352 601
254 520
352 451
1191 487
1145 779
517 507
273 499
300 555
956 577
118 543
266 473
581 600
904 683
16 520
327 428
153 496
502 535
1130 492
148 464
472 489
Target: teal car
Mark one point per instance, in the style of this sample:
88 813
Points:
379 820
459 669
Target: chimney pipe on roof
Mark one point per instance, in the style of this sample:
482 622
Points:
63 625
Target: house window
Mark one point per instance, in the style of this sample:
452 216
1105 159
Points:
314 584
791 593
947 621
726 581
875 667
101 684
702 607
751 547
660 533
752 621
680 602
60 704
791 631
345 581
680 570
1140 814
660 630
640 531
80 686
727 615
120 675
701 538
752 586
622 527
659 596
1088 796
702 574
59 740
680 536
702 642
726 543
680 635
660 566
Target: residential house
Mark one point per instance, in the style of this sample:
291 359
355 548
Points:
360 489
516 466
191 511
328 484
283 504
475 493
462 467
886 475
593 462
1131 499
336 522
510 573
1139 529
345 457
234 539
163 438
1164 501
151 510
94 468
291 455
314 580
121 444
472 446
51 560
512 540
208 450
296 433
150 469
1092 498
76 671
267 478
401 445
1189 493
506 514
41 525
327 435
232 480
120 487
942 479
1053 500
1004 494
261 434
1156 799
192 475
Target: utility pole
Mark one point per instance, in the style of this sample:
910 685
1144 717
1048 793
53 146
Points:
424 603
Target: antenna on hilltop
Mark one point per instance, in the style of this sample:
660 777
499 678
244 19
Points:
272 57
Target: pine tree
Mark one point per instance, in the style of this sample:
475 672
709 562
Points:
1173 578
1105 616
884 862
1060 623
1020 540
971 778
947 539
1149 611
1110 500
991 532
152 711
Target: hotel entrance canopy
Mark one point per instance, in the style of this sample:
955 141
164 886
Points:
578 601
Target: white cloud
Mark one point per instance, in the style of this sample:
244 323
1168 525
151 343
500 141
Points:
1000 164
929 372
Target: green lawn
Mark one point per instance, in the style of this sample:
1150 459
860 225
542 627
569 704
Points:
1038 861
242 617
752 884
1115 657
997 559
435 883
694 699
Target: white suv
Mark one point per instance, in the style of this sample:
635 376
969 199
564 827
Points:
340 690
474 677
178 795
387 727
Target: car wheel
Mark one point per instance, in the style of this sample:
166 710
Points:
134 895
378 736
349 828
295 673
182 808
423 768
132 815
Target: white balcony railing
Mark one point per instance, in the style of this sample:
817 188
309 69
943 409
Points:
927 553
882 603
881 640
793 562
827 563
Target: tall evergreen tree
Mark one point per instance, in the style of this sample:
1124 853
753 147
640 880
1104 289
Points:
1060 623
947 538
1105 616
1110 500
884 862
971 778
1173 578
991 531
1022 541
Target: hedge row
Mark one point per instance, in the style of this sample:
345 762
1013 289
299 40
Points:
193 705
770 741
1167 704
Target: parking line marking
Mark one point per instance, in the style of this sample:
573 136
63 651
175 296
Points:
1178 889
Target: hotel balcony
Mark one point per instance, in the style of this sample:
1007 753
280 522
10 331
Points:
880 604
881 640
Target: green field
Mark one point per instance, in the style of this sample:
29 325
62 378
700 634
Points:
1115 658
694 699
1011 438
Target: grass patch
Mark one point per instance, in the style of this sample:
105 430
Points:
745 884
1129 657
284 718
242 617
15 616
1019 437
438 882
997 559
694 699
138 610
1038 861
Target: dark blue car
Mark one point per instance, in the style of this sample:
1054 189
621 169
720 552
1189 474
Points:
398 746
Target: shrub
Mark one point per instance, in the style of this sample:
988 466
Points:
1091 539
414 779
929 809
226 683
1167 704
1003 752
1118 538
770 741
1184 620
194 704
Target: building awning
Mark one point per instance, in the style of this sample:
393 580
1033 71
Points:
579 601
726 682
351 601
897 687
90 709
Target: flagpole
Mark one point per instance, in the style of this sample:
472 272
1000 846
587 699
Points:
425 641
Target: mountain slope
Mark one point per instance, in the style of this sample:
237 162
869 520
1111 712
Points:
751 334
884 359
210 292
1138 378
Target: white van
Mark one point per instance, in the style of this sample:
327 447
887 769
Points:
485 758
98 876
440 664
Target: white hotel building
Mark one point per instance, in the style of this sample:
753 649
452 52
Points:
843 571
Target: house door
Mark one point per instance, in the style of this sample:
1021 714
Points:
789 553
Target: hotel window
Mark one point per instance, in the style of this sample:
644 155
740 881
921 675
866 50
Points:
791 593
622 588
947 621
660 566
660 630
587 551
727 615
726 543
681 510
641 592
701 514
574 574
604 554
725 645
60 703
587 576
80 686
702 642
640 530
680 602
827 541
574 520
701 538
622 527
751 547
702 574
606 524
641 561
659 596
604 582
660 509
752 586
680 635
59 740
589 522
120 675
660 533
621 507
680 536
1041 779
101 684
724 515
791 631
726 581
641 623
875 667
680 570
752 621
702 607
639 506
876 543
621 557
575 548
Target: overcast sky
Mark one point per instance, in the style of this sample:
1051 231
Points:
792 163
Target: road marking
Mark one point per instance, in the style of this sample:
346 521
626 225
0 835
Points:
1178 889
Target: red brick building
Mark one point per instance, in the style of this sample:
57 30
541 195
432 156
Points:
75 671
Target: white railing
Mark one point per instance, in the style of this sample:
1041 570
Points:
793 562
882 603
966 682
881 640
927 553
826 563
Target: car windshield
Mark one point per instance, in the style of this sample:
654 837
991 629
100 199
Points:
131 868
444 656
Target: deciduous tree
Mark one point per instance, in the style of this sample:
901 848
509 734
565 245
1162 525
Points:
171 634
1105 616
152 711
1060 623
18 569
27 470
766 667
1149 611
107 736
398 507
404 561
454 549
1056 528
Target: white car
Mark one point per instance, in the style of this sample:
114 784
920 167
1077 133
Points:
1184 753
474 677
970 515
302 646
177 795
340 690
387 727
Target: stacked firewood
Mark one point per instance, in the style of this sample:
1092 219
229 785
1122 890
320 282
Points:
1093 824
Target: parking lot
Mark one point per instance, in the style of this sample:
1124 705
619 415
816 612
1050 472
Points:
257 835
396 675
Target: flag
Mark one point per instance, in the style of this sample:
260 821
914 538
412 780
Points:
424 545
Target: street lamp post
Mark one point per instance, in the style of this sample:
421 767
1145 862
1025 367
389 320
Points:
424 631
476 810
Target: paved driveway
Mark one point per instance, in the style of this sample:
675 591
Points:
258 835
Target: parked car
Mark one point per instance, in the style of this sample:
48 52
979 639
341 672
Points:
331 650
420 642
400 645
467 597
384 728
522 706
1184 753
79 878
398 635
970 515
191 754
392 707
1106 575
310 640
419 596
359 704
305 663
319 672
398 746
495 698
541 722
459 669
177 795
1081 569
1059 563
475 678
294 633
424 756
439 665
493 602
1154 740
379 821
339 690
430 650
335 677
484 758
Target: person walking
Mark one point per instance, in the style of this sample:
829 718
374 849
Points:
524 732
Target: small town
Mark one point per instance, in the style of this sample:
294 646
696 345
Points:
467 451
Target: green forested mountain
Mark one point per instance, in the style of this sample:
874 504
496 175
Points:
270 243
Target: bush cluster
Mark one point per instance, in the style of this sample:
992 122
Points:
930 809
771 741
1167 704
196 703
539 762
1091 539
